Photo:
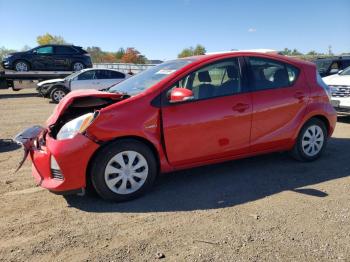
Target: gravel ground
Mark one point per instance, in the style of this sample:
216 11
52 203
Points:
267 208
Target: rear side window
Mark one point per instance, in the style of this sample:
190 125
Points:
116 75
64 50
109 74
269 74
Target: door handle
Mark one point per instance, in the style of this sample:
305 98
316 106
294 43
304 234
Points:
240 107
299 95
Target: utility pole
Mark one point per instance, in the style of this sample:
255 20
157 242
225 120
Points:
330 50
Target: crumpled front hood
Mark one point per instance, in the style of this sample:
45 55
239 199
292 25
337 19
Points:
81 99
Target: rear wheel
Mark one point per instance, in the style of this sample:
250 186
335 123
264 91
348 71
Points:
311 141
123 170
21 66
57 94
77 66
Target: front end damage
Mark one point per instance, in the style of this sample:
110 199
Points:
61 165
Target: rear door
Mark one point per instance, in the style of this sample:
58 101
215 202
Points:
63 57
85 80
216 123
279 101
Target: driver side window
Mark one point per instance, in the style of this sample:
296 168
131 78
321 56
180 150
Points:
44 50
217 79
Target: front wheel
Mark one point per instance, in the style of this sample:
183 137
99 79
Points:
21 66
311 141
57 94
123 170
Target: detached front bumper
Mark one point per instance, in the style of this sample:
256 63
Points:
59 166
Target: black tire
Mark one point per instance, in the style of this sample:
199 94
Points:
58 93
18 62
74 64
300 152
105 156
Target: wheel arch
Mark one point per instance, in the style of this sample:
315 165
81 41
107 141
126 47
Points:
24 60
324 120
122 138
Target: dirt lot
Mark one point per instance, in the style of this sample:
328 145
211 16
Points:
266 208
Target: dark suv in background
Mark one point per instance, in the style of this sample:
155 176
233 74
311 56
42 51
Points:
49 57
332 65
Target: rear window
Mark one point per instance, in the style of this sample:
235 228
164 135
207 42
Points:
80 49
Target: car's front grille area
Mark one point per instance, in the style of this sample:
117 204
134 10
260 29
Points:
340 91
57 174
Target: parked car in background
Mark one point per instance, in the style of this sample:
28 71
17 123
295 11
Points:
49 57
340 90
91 78
331 66
180 114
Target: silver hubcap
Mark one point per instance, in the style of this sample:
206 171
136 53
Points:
78 66
58 95
126 172
21 66
313 140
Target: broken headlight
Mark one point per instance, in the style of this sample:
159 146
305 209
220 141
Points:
75 126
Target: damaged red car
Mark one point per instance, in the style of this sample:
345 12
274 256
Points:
180 114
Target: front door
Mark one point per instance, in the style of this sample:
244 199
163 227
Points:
43 58
216 123
85 80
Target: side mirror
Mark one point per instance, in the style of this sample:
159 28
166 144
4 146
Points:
35 52
180 95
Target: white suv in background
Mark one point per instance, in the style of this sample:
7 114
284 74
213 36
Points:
91 78
340 90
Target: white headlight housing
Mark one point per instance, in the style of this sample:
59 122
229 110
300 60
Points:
75 126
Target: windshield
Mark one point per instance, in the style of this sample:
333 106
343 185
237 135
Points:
346 72
323 65
72 75
146 79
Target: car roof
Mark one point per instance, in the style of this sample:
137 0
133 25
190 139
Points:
109 69
265 54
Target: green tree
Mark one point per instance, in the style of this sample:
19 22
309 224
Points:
313 53
120 53
50 39
286 51
296 52
199 50
190 51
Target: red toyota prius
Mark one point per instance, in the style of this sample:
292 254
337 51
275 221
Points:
180 114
